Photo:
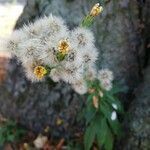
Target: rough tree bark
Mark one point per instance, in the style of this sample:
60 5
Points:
123 47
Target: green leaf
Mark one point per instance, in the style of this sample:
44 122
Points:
109 141
89 99
116 127
2 140
87 21
10 132
114 124
103 135
81 115
111 100
117 89
90 114
105 109
101 131
74 146
10 138
89 136
90 111
60 56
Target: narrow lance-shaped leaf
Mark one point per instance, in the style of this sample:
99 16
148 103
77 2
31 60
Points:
111 100
101 131
114 124
109 142
89 136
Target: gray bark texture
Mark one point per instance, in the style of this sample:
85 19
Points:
121 34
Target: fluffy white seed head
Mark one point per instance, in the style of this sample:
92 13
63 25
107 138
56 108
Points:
80 86
89 56
82 38
29 50
31 31
91 72
53 27
38 43
14 40
71 74
29 69
106 85
105 74
45 27
49 55
55 74
73 58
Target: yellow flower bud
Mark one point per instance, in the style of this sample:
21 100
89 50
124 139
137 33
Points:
95 102
40 72
101 94
96 10
63 47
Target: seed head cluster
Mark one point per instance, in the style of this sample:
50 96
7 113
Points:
48 44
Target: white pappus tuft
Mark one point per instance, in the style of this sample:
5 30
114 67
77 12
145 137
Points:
14 40
82 37
89 55
105 74
71 74
55 74
106 84
80 86
106 77
31 49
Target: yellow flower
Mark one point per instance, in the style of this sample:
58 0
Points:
63 47
40 71
96 10
95 102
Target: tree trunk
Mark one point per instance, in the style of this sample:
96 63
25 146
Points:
122 39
